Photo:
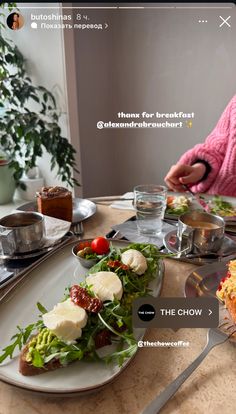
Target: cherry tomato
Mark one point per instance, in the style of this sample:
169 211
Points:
100 245
82 245
170 199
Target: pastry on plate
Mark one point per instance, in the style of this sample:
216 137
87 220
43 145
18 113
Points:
55 202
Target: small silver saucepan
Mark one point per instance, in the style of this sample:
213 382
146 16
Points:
21 232
201 232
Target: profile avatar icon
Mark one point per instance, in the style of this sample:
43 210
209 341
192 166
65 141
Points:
15 21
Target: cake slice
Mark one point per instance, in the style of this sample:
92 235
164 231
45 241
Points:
226 291
55 202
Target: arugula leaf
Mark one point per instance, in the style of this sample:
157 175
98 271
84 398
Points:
122 355
70 356
20 339
66 293
98 267
37 359
41 308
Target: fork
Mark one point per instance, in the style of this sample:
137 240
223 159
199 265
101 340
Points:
197 198
214 337
78 229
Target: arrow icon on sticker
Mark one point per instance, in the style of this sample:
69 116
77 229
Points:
210 312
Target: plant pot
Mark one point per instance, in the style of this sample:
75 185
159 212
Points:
7 183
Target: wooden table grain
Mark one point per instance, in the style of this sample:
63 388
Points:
211 389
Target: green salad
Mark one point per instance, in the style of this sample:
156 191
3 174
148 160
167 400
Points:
177 205
222 207
111 323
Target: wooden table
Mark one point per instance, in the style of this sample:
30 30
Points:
211 389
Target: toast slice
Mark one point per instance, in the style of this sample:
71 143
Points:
27 369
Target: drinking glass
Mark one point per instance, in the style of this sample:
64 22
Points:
150 205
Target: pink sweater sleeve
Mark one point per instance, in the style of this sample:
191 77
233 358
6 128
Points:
213 150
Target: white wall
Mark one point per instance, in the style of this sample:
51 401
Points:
149 60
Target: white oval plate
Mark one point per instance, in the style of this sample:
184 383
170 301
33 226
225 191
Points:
46 284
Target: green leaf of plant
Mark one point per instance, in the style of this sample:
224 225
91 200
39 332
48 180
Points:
41 308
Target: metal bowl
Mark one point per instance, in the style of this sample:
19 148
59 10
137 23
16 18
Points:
21 232
203 231
84 262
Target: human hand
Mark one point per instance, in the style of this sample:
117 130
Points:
180 174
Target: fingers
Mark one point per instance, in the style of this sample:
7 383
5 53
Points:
196 174
179 174
188 179
174 186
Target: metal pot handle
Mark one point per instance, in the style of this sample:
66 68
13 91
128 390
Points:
7 241
185 237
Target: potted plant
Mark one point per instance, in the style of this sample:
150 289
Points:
25 132
7 184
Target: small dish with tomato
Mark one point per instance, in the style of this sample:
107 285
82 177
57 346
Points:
89 252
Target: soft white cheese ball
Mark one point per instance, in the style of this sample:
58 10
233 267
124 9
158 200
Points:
135 260
66 320
105 285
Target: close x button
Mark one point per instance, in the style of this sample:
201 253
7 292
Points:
176 313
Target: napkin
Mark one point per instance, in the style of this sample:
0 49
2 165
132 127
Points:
124 205
129 230
55 229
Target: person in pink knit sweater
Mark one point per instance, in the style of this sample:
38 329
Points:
210 167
